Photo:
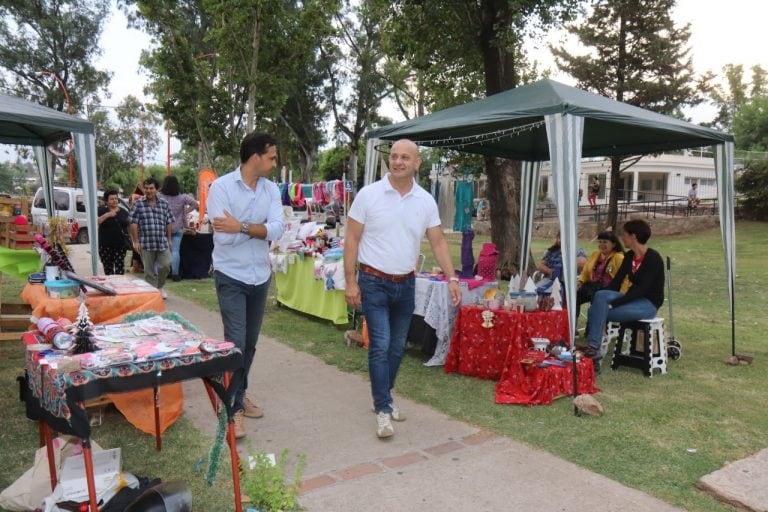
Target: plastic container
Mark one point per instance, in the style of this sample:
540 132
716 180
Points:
61 289
529 300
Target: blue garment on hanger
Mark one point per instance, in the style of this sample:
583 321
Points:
462 220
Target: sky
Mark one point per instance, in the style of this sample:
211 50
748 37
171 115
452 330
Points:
721 33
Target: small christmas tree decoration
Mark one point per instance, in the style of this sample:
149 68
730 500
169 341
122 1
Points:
83 337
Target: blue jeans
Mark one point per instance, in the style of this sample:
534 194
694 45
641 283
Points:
176 252
599 314
387 307
242 310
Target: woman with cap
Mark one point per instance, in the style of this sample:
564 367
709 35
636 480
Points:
600 268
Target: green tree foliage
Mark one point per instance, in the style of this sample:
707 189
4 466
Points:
351 57
221 69
729 98
13 179
476 49
333 163
635 54
750 125
752 182
59 37
119 146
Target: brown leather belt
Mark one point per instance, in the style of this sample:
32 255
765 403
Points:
395 278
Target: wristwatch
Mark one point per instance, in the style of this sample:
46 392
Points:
453 279
244 228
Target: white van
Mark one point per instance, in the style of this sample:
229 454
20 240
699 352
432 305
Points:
69 204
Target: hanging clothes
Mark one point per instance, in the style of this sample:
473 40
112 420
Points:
467 256
462 220
284 195
445 205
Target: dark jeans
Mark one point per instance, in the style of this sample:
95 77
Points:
388 307
242 311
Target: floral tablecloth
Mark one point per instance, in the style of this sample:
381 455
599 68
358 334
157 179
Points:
433 302
483 352
57 395
530 384
497 351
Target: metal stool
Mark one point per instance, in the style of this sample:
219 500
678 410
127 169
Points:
648 335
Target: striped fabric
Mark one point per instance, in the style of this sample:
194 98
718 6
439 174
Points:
85 153
565 134
529 194
724 173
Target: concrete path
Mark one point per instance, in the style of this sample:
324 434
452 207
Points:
433 463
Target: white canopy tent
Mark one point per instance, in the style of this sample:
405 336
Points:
26 123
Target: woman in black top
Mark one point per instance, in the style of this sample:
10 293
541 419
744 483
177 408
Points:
113 229
643 271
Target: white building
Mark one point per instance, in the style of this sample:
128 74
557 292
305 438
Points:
652 178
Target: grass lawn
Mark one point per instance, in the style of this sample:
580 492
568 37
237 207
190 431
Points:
642 441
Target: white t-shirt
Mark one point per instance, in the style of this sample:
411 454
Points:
393 226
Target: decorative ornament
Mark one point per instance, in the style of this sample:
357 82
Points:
487 318
83 336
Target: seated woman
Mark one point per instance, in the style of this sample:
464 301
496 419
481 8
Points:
636 291
600 268
553 260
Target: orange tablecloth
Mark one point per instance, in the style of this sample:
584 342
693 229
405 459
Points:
495 353
102 309
136 406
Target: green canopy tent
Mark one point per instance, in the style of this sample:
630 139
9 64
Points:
26 123
547 120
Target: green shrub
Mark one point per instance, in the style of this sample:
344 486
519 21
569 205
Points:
752 182
264 482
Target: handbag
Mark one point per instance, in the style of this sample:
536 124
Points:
127 241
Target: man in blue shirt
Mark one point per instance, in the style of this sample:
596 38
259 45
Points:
246 214
150 229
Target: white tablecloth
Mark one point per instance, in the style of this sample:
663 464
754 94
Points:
433 302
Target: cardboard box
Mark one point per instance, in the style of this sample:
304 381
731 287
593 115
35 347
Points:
106 473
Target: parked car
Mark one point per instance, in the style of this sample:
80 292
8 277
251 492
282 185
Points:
69 204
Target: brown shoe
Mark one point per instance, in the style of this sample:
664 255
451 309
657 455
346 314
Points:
252 410
239 425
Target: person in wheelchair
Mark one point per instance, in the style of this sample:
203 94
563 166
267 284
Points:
635 292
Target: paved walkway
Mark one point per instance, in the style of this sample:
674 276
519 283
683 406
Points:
433 463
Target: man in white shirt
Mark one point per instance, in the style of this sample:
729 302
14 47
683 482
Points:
385 226
247 213
693 196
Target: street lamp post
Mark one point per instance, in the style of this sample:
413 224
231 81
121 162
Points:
69 111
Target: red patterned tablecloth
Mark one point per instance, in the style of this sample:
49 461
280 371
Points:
529 384
483 352
496 353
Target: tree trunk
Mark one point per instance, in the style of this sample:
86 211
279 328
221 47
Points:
253 72
354 149
503 175
503 198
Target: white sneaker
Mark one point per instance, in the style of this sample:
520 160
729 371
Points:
384 426
396 414
163 293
